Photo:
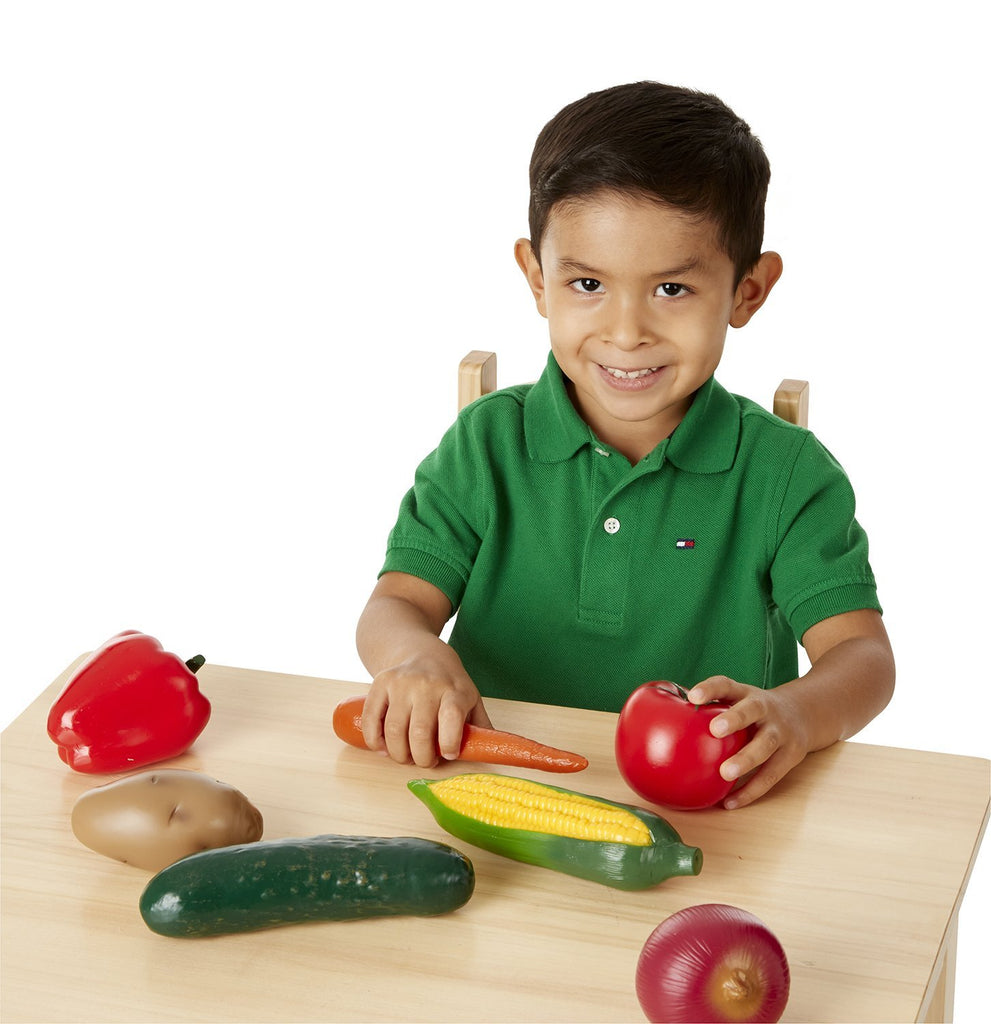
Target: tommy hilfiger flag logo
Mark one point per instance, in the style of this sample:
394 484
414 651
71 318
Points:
685 542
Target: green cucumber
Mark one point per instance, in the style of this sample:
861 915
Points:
322 878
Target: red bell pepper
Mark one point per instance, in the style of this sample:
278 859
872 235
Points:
129 704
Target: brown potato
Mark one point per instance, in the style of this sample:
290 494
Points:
154 818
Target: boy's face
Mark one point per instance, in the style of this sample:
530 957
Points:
638 297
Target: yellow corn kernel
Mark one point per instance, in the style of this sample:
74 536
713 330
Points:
509 802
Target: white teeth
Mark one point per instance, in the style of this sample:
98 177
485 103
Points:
630 374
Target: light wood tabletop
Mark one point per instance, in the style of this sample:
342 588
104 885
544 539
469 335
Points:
857 861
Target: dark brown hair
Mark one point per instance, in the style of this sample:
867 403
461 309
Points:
679 147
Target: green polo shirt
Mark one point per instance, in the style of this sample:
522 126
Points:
576 576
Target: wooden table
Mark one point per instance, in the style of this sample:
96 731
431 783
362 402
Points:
857 861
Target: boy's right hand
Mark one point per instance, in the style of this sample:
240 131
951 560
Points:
421 696
418 709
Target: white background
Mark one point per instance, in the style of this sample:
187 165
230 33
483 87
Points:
245 244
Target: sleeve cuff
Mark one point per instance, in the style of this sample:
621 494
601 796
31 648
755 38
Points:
426 566
847 597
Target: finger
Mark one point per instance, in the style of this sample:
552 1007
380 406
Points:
740 716
450 728
422 735
752 755
479 716
396 733
762 781
716 688
373 719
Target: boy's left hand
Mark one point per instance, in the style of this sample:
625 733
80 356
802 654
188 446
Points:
851 678
780 741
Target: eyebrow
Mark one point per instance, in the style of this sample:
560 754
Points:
579 269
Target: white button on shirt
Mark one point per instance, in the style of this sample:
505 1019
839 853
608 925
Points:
611 525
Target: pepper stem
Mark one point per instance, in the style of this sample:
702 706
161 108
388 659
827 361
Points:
196 663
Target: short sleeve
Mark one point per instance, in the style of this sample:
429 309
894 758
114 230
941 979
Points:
820 564
439 527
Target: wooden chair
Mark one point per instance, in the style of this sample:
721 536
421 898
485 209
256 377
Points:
477 377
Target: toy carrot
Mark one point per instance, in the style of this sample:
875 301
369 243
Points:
491 746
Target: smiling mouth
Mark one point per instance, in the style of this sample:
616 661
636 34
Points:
630 374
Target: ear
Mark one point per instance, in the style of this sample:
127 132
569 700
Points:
528 263
755 287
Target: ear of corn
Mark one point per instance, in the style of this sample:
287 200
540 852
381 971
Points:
615 844
510 802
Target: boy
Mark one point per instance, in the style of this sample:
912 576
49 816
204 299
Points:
626 519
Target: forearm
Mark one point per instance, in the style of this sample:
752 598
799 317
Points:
391 629
403 618
847 686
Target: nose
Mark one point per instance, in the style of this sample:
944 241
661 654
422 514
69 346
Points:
626 324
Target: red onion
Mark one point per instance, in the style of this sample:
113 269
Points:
712 963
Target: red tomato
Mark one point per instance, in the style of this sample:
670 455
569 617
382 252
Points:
665 751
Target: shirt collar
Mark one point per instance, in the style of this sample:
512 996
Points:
707 438
554 430
704 442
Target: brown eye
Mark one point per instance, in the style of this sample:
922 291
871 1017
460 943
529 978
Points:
586 284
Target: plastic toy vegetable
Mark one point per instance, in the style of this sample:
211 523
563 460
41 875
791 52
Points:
712 963
288 881
153 818
665 751
614 844
128 705
491 746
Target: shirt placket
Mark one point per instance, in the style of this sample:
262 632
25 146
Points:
610 544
